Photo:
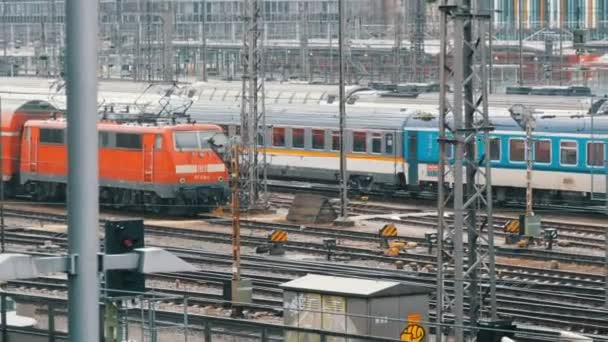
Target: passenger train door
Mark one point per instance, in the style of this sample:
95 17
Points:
412 159
148 157
32 139
597 162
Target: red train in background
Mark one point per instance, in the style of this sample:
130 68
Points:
164 167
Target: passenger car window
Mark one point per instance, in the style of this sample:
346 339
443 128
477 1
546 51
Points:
335 141
297 137
517 150
542 151
359 142
104 139
278 136
51 136
595 154
494 149
128 140
318 139
376 143
568 154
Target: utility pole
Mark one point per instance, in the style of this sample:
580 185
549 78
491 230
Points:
149 67
561 40
83 180
204 39
461 124
398 28
168 18
529 122
253 117
520 34
236 212
418 40
342 95
303 33
4 35
2 241
118 36
490 48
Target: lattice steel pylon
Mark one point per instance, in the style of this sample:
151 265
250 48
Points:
303 36
464 125
253 118
417 40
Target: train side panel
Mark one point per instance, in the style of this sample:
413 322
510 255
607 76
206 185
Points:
565 165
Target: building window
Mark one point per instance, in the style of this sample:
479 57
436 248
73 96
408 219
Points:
542 151
51 136
128 140
377 143
260 140
297 136
318 139
495 149
517 150
359 142
278 136
568 154
388 143
595 154
335 141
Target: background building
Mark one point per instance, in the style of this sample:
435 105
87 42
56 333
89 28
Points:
387 40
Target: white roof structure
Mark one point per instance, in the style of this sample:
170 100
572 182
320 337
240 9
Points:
355 287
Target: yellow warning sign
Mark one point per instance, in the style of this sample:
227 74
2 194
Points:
389 230
278 236
512 226
413 332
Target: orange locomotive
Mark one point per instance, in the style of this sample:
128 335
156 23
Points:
156 166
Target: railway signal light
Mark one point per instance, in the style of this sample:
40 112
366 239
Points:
431 240
550 236
330 246
124 236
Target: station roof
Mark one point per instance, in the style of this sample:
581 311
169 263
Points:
352 287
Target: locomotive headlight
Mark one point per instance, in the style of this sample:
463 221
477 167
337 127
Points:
182 180
220 179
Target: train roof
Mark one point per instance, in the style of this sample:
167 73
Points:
128 127
304 116
547 124
386 119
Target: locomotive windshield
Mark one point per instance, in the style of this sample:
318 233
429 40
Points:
197 140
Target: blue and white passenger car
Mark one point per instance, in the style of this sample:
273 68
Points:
569 155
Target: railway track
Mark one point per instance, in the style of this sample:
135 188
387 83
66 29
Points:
332 190
577 234
572 290
528 304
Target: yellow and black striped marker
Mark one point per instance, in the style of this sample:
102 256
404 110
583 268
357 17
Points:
278 235
414 332
389 230
512 226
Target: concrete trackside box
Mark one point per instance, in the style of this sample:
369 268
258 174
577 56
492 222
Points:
355 306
